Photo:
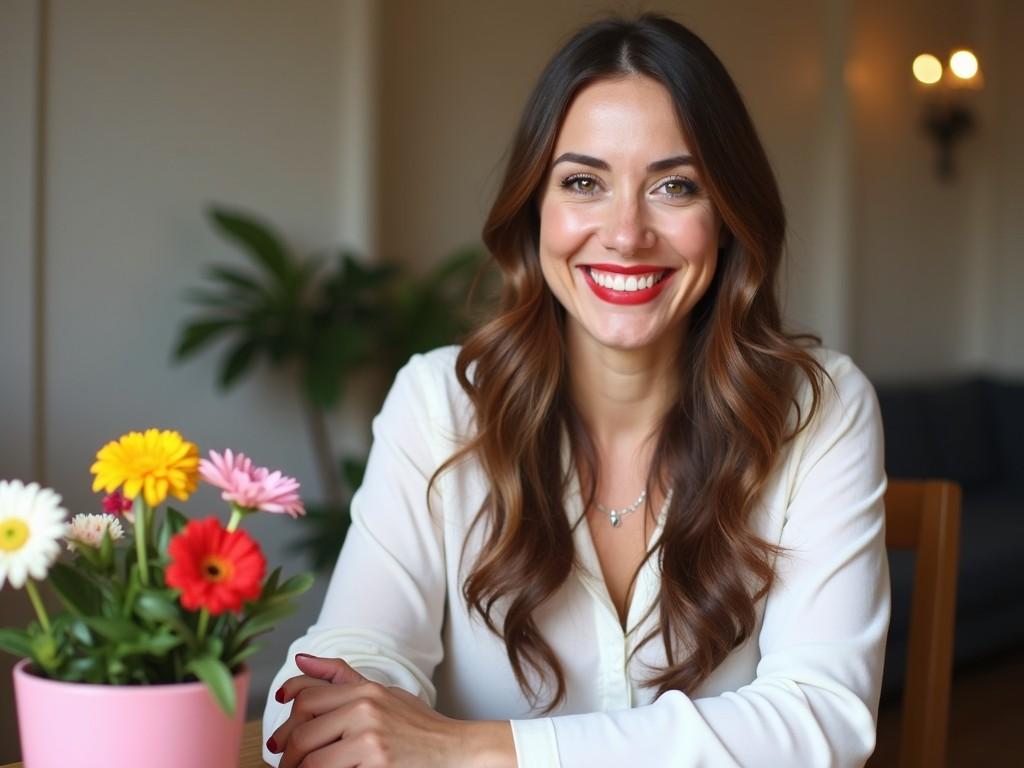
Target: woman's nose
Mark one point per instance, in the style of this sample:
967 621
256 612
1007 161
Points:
626 229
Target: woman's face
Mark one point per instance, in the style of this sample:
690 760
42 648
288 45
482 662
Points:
628 239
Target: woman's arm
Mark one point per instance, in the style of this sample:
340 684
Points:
384 607
814 701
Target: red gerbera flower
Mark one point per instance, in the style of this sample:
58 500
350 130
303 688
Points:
215 568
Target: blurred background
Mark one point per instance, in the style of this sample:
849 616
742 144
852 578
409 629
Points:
380 128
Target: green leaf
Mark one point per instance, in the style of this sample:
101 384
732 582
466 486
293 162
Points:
270 585
79 630
175 520
44 652
235 279
353 470
75 590
156 645
173 523
106 549
89 669
242 655
295 586
237 362
119 630
215 674
157 607
199 334
16 642
263 620
258 240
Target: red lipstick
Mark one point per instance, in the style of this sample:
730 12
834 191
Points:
612 296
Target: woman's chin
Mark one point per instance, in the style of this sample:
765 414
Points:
628 339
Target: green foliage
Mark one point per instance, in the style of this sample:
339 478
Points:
117 631
331 317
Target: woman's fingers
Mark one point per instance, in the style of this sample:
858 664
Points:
324 716
332 670
315 701
291 687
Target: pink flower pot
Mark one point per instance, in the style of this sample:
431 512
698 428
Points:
125 726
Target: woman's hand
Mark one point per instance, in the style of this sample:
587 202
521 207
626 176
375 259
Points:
340 719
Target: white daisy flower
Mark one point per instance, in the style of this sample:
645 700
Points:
32 523
88 529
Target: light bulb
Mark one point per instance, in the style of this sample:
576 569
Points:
927 69
964 64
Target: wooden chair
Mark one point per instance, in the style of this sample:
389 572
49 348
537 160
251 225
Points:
925 516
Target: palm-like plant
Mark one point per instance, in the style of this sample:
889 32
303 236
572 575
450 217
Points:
326 318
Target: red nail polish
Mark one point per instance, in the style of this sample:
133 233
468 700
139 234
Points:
272 745
280 695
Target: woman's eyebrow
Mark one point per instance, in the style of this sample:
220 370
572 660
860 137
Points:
594 162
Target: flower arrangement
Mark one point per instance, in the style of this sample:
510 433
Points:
149 598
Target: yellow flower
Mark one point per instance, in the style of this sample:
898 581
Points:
157 463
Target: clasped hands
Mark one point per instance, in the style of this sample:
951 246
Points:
340 719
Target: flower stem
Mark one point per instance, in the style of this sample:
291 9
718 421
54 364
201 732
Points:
141 515
204 619
37 603
237 513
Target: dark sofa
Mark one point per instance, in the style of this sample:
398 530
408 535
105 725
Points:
970 431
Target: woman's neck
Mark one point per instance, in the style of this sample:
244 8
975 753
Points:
621 395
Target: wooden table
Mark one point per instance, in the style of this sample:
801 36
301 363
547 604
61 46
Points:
252 747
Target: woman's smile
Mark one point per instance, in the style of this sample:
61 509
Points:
625 285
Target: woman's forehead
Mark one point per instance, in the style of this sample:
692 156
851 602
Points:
627 116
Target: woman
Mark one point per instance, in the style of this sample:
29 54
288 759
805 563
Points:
630 519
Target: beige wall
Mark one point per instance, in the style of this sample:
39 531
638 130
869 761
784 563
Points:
17 136
934 290
1007 281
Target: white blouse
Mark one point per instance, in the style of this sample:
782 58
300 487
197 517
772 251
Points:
801 691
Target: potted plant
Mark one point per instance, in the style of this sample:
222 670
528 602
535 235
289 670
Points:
145 665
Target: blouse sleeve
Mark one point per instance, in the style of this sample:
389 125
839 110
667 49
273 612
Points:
384 607
814 701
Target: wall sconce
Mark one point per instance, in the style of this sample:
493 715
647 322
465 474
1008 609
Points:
947 116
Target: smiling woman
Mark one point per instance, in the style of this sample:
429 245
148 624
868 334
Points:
632 449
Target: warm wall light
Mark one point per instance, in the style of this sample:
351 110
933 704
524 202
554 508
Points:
927 69
964 64
947 118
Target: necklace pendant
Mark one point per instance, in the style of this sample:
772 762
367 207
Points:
616 520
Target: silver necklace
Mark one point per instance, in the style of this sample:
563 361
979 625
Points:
616 515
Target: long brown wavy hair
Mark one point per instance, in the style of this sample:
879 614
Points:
739 377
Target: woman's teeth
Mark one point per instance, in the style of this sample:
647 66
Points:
619 282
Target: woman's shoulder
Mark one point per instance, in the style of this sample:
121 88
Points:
434 370
847 399
844 383
429 385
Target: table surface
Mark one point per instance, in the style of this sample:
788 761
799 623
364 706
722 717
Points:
252 747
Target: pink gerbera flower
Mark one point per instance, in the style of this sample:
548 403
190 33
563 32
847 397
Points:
249 486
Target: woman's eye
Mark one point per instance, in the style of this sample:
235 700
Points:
580 185
679 187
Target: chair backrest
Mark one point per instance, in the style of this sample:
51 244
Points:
925 516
